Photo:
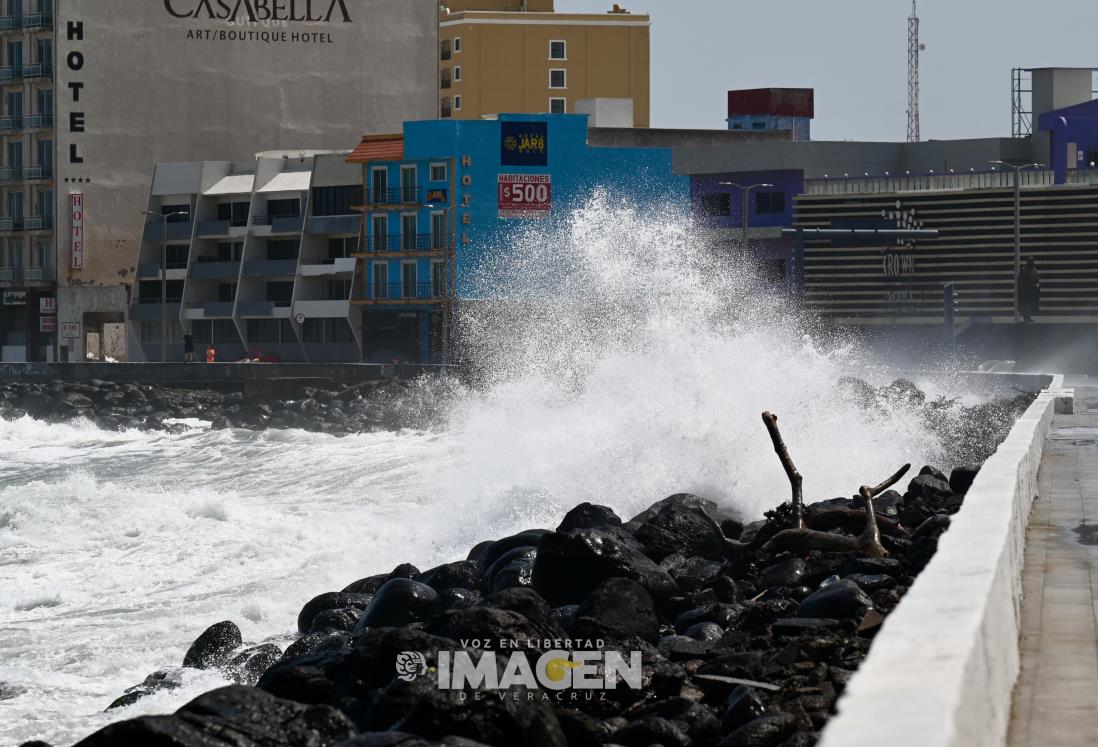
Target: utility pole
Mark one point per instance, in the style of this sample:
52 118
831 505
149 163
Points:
1017 169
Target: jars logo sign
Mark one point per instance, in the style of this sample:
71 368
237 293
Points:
261 11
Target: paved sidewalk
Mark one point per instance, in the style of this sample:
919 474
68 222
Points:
1056 697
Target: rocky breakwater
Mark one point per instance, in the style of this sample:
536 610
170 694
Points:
681 626
338 409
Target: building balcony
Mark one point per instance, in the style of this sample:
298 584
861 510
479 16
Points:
7 23
37 172
334 224
34 223
151 271
33 21
420 243
395 196
278 224
263 309
215 270
209 310
11 72
12 123
11 274
39 275
270 268
401 293
38 70
331 267
176 231
150 311
38 121
323 309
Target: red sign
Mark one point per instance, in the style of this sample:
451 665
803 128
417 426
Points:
47 324
525 195
76 244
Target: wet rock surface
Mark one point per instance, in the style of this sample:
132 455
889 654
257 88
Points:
338 409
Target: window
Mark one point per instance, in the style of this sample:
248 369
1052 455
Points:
230 251
336 200
285 249
236 213
45 204
558 50
769 203
177 255
716 205
447 78
438 172
446 49
438 279
177 213
558 106
281 293
379 183
409 181
263 330
457 73
408 280
380 231
202 331
457 45
226 292
457 103
408 229
44 47
45 154
342 247
758 125
327 331
289 208
558 79
446 109
381 280
339 290
438 230
224 330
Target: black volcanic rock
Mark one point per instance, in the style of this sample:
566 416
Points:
331 600
232 716
838 600
398 602
212 648
620 608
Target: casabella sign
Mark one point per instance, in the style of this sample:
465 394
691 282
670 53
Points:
258 11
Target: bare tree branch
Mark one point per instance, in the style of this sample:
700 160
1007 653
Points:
795 480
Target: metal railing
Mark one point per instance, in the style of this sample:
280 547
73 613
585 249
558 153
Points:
403 292
971 180
38 171
38 121
11 72
12 122
38 20
394 196
420 242
8 274
38 70
34 223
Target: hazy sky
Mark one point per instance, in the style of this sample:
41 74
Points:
854 53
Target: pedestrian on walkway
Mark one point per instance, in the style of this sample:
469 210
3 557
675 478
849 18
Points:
188 347
211 354
1029 290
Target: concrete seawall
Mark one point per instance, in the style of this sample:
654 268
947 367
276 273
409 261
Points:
942 669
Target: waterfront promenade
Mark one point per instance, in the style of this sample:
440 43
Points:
1056 696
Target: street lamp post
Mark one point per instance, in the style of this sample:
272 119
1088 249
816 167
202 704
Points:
164 277
1017 169
746 190
451 252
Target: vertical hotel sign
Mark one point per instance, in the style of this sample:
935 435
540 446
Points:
76 239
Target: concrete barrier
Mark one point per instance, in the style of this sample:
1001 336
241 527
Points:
942 668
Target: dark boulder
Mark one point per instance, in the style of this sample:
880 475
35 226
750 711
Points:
841 599
398 602
685 529
768 731
683 500
307 644
570 566
529 538
371 584
589 516
651 730
961 478
155 682
249 665
333 621
212 648
234 716
933 472
620 608
928 487
934 526
403 739
331 600
742 706
787 573
460 575
521 553
488 623
455 599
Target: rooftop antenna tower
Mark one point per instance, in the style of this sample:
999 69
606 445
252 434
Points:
913 50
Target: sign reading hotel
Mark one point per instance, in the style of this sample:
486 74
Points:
76 242
525 195
524 144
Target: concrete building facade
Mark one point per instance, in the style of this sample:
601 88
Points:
512 56
97 93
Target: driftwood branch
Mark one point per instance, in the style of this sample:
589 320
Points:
869 541
795 480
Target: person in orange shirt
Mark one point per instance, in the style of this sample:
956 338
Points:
211 354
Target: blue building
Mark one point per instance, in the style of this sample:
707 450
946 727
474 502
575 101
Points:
443 193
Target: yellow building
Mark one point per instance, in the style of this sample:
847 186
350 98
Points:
520 56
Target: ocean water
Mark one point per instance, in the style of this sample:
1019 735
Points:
627 363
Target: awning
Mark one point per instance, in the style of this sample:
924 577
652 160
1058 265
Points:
289 181
234 184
